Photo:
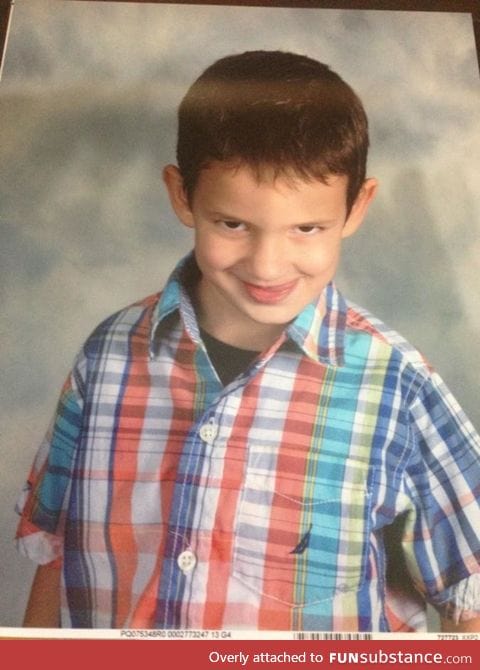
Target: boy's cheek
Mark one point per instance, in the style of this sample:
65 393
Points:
216 255
321 257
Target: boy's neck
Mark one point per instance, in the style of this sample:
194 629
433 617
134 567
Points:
252 336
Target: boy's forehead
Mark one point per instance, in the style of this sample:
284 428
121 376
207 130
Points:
239 191
270 175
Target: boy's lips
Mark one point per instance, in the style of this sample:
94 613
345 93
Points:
270 295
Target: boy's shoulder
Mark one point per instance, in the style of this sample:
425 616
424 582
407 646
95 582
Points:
114 334
363 325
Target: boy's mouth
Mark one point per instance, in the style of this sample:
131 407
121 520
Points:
270 295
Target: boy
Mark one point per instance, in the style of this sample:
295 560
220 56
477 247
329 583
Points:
247 449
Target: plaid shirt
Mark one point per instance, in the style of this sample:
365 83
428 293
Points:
174 502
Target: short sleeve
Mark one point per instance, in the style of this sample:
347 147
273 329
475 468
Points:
43 501
442 529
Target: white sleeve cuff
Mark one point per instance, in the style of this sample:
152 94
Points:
40 547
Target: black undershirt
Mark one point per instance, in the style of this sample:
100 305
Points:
227 360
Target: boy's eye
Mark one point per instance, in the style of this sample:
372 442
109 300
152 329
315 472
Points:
309 230
232 225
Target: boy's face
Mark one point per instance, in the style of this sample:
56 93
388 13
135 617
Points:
266 249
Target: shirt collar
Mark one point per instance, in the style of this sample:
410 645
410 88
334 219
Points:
319 330
175 298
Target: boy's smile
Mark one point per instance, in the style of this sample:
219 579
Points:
266 248
269 295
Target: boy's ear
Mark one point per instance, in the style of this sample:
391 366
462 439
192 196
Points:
176 192
360 207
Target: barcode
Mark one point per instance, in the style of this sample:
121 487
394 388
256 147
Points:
332 636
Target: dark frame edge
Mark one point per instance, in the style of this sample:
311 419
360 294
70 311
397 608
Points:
6 11
476 32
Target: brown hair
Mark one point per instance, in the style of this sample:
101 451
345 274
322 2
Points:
275 110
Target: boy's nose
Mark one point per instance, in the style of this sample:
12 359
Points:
267 260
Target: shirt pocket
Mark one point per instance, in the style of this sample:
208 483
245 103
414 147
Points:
302 549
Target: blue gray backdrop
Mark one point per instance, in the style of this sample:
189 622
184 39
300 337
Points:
87 106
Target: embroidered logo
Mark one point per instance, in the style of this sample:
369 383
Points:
304 542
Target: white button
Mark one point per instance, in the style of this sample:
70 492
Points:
186 561
208 432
